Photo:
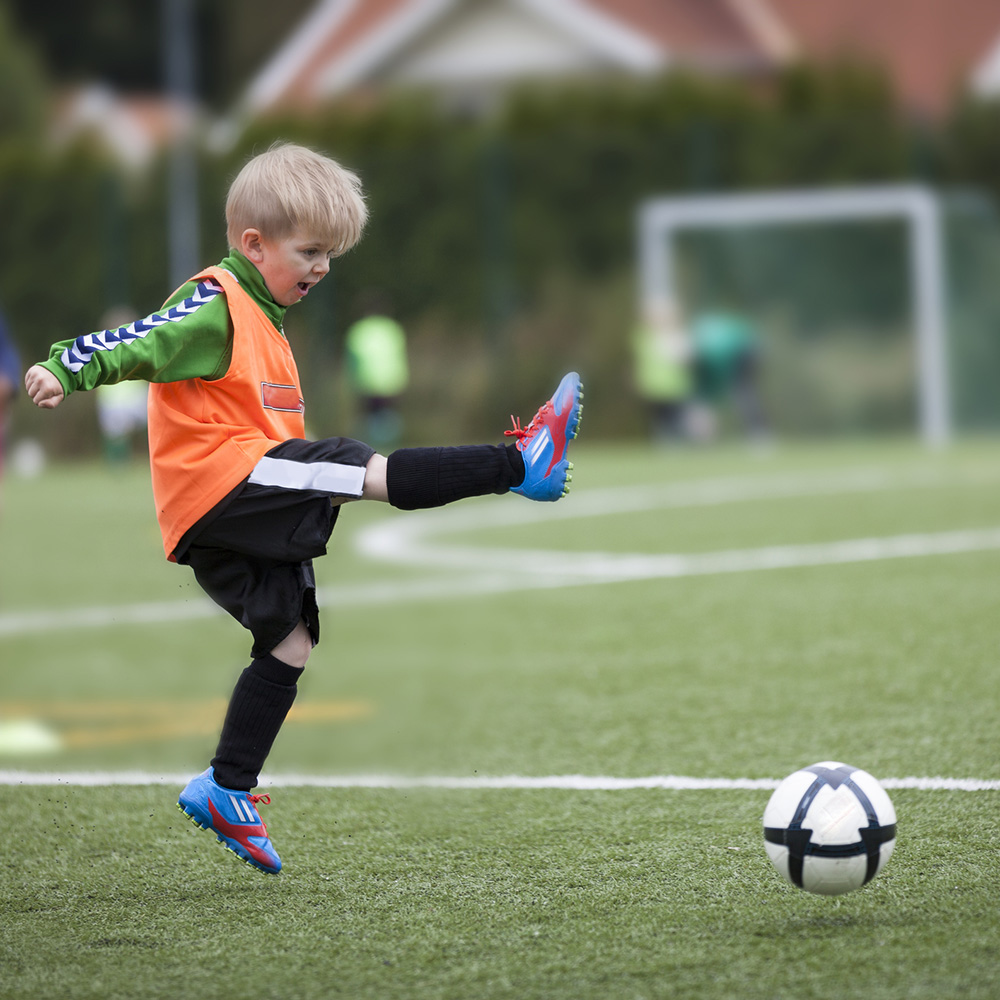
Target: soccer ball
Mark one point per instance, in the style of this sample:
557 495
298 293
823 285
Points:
829 828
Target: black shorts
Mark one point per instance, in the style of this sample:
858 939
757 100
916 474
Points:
252 554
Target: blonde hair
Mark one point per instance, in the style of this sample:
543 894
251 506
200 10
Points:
291 188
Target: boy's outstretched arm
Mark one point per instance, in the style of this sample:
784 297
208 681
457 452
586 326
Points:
43 387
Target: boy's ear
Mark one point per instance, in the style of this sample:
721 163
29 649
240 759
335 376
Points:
251 245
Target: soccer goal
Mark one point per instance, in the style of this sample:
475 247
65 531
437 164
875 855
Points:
664 223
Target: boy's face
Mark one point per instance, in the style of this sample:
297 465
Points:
290 266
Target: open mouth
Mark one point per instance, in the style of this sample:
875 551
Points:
304 287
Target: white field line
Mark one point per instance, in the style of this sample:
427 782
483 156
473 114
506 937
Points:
398 539
416 539
503 570
556 782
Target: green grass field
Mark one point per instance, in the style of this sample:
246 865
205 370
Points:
713 614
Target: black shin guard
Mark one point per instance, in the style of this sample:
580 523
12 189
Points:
417 478
260 701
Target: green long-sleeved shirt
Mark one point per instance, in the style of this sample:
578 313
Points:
190 337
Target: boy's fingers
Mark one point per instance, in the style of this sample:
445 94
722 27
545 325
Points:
43 390
44 395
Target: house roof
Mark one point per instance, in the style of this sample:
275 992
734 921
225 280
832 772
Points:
323 39
701 28
344 43
133 127
930 47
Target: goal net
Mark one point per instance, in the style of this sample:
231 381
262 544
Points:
875 306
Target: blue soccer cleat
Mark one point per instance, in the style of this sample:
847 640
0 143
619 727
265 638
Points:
543 442
232 816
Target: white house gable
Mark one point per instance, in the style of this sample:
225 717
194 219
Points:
487 42
451 44
985 78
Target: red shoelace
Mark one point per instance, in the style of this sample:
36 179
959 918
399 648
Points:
526 432
264 800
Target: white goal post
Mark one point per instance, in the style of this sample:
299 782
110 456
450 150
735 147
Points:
660 219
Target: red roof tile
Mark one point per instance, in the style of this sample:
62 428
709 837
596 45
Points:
929 47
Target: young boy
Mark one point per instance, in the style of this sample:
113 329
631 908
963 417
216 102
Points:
240 495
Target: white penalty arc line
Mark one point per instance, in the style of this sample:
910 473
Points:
554 782
416 540
503 570
422 539
579 568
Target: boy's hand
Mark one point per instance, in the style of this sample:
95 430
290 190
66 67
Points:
43 387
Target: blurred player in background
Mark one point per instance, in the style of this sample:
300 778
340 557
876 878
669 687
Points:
378 370
10 380
121 406
662 355
241 496
726 367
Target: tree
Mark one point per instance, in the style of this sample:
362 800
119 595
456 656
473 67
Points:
22 85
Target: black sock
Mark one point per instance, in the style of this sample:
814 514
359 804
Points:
417 478
260 701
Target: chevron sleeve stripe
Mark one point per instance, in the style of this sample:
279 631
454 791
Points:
78 353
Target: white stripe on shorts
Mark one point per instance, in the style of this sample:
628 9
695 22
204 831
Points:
327 477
